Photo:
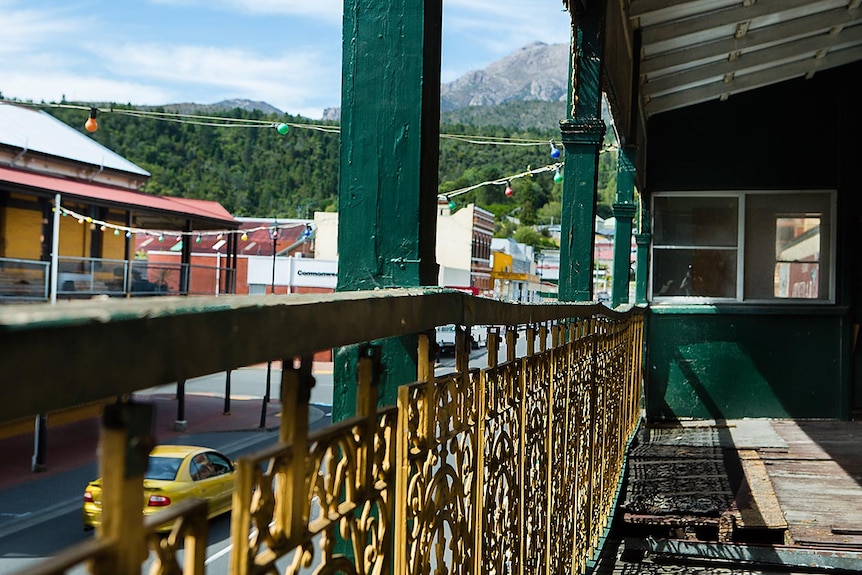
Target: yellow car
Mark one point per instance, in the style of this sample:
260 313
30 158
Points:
175 473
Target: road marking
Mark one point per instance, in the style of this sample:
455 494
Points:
33 519
219 554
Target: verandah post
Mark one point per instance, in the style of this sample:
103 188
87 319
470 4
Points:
582 136
390 116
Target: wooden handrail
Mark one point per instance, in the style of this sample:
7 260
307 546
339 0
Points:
89 350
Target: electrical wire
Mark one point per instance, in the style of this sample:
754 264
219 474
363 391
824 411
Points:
227 122
222 121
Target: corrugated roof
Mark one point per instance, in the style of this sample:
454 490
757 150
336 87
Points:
668 54
703 50
185 207
39 131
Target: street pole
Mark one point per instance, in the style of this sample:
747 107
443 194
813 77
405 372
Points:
274 235
40 430
55 250
180 422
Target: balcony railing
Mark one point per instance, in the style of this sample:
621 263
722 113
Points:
512 468
77 278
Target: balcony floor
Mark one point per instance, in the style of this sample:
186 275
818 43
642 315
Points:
737 487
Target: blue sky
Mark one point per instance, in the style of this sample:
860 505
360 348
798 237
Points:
284 52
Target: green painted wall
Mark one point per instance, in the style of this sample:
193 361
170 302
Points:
782 360
733 365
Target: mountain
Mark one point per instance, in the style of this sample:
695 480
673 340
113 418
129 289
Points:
223 106
536 72
516 114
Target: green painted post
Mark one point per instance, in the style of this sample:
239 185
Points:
624 212
582 136
390 116
643 240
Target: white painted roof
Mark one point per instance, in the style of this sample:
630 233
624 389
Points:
38 131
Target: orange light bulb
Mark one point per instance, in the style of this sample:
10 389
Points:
91 125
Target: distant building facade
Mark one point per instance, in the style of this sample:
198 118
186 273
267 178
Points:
464 247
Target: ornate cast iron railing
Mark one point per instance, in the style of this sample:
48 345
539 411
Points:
512 468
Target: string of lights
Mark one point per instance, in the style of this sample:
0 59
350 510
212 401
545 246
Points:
282 127
177 234
555 167
507 180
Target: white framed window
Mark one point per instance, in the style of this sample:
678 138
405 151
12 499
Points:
753 246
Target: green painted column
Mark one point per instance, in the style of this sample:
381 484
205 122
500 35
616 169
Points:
643 240
582 136
390 127
624 211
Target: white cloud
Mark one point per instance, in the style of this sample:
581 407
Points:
77 88
50 48
26 29
326 10
508 24
289 81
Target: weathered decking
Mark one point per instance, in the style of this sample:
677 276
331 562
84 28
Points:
755 490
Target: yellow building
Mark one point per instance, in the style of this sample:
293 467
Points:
70 205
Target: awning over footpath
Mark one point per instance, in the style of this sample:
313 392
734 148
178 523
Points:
199 210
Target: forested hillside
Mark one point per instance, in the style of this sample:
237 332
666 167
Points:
255 171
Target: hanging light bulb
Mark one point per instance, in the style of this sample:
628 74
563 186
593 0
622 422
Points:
161 237
91 125
116 232
555 151
509 190
103 228
282 128
244 236
558 176
179 238
452 204
198 239
129 234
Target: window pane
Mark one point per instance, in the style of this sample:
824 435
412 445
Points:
700 273
797 280
787 242
797 257
696 221
797 239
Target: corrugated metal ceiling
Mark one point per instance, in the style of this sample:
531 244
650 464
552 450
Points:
692 51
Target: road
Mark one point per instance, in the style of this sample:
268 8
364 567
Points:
42 516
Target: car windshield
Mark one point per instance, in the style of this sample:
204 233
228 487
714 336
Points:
163 468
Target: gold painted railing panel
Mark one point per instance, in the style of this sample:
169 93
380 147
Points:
298 498
513 468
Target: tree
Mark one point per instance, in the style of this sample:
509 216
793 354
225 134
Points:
550 213
529 236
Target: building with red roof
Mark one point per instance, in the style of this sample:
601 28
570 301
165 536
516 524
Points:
71 211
